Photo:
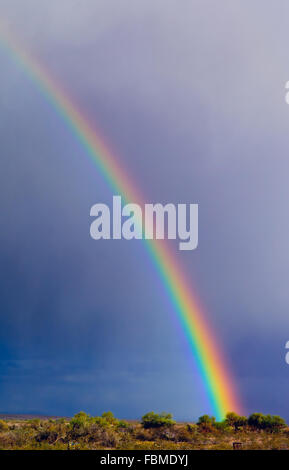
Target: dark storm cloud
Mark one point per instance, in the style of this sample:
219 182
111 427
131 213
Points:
192 97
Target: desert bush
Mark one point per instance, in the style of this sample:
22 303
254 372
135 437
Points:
7 440
123 425
79 420
155 432
236 421
206 428
206 423
109 417
108 420
185 434
61 421
270 423
20 437
154 420
206 419
48 435
255 421
192 427
78 426
109 438
144 434
274 423
222 426
34 423
166 433
3 426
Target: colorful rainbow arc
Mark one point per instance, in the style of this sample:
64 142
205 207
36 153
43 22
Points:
210 361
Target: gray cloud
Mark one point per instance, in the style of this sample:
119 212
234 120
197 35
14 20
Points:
192 98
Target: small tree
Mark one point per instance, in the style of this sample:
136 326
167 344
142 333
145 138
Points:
154 420
273 423
256 421
266 422
206 419
236 421
206 423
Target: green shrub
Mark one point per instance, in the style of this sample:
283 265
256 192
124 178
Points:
206 419
106 420
154 420
79 420
109 417
222 426
273 423
122 424
256 420
269 423
236 421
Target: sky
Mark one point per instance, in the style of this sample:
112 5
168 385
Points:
191 98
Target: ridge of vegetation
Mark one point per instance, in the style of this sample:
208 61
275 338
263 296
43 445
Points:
154 432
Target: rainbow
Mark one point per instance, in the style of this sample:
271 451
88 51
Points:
218 384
